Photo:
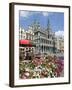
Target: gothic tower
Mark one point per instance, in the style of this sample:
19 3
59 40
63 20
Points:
48 28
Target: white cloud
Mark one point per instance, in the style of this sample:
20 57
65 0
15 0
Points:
59 33
45 13
24 13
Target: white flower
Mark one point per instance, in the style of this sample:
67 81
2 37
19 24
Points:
27 69
43 69
27 73
34 74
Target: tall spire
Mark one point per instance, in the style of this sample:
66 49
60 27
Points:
36 24
48 25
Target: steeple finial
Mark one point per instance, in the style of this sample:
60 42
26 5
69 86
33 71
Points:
36 24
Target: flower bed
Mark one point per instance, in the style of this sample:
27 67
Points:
40 68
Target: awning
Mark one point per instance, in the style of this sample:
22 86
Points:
26 43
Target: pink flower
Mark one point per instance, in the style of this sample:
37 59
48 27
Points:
37 61
60 67
24 77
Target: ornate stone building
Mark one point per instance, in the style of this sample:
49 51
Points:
44 38
60 43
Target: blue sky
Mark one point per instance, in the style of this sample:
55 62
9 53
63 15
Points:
56 19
